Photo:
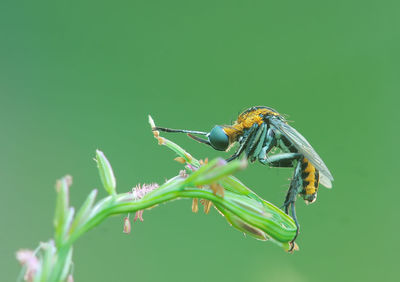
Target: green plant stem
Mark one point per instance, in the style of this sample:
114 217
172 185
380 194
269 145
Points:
276 231
62 255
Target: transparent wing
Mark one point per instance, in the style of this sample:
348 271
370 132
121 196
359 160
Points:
305 149
324 180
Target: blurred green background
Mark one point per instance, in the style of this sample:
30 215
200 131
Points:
77 75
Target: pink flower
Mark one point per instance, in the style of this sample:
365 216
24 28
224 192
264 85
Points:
28 259
139 192
139 215
191 167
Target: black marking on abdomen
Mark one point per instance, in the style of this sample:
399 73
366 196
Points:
316 182
305 183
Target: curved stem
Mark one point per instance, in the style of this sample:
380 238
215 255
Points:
275 230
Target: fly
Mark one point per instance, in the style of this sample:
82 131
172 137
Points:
260 129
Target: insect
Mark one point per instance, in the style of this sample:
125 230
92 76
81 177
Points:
260 129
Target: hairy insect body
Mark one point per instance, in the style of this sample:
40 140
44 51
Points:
246 120
257 115
308 176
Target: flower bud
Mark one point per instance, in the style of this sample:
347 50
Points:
127 225
106 173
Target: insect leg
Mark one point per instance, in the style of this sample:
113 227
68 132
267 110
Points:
260 143
295 220
269 143
293 210
257 141
281 160
244 142
294 189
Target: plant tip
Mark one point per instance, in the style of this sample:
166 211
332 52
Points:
151 121
127 225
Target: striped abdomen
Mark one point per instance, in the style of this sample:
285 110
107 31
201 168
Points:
310 177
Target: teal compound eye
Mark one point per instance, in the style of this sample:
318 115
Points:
219 140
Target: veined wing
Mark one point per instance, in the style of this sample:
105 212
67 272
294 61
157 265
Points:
305 149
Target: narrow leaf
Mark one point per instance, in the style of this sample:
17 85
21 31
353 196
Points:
84 211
